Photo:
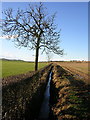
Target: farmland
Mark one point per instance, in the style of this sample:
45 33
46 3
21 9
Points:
17 67
69 96
77 68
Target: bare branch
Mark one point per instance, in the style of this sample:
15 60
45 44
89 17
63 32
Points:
35 29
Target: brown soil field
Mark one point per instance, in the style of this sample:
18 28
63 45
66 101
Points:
78 69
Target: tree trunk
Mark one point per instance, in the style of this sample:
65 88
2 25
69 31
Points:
36 59
37 54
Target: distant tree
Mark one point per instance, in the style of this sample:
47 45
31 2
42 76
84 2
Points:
49 56
32 28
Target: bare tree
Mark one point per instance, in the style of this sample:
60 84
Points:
32 28
49 56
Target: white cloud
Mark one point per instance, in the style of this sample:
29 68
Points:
8 36
8 55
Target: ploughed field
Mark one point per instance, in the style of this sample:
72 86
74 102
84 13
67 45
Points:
81 70
78 66
10 68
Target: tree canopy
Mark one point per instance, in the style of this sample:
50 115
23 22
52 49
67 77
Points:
32 28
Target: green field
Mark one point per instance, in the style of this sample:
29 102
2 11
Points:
17 67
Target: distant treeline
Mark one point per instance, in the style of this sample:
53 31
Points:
78 61
72 61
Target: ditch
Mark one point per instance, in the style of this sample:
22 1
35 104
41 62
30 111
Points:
53 94
45 107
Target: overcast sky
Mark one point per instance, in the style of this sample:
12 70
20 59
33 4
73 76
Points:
72 19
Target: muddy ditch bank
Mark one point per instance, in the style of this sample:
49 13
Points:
22 100
69 97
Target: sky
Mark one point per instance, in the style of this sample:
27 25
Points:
71 18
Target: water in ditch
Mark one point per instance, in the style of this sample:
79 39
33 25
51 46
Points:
44 111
